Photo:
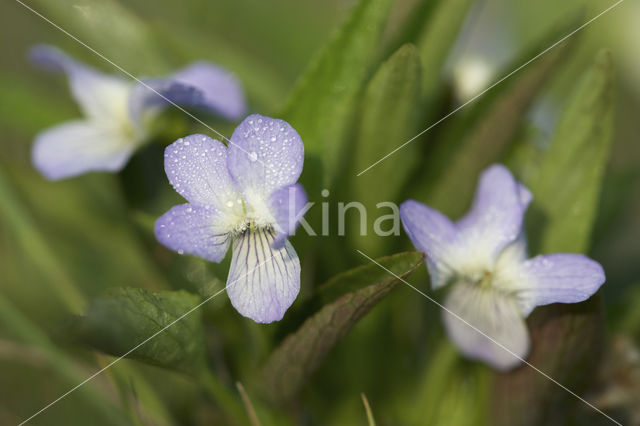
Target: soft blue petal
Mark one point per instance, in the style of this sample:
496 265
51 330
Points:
197 168
434 234
102 97
287 204
263 282
497 318
495 219
148 98
265 154
77 147
221 91
558 278
193 229
200 85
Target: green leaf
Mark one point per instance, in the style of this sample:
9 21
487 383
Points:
108 27
60 365
566 339
492 135
389 111
436 39
567 187
126 317
482 131
15 214
322 105
346 298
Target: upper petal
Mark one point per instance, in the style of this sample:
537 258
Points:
193 229
496 318
264 154
557 278
496 215
287 207
197 168
263 282
221 91
149 97
101 96
200 85
434 234
77 147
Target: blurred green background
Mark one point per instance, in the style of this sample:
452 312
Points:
64 243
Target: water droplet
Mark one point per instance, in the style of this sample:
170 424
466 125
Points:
253 156
180 251
229 203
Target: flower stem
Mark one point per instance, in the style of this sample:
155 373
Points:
223 396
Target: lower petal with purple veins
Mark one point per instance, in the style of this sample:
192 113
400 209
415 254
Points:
263 282
500 337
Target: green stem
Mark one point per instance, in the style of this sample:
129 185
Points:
223 396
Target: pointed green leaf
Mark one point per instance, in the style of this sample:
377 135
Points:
481 132
490 138
567 187
566 339
436 39
348 297
127 317
108 27
389 111
321 106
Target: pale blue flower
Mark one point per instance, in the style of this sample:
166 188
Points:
244 196
494 285
118 112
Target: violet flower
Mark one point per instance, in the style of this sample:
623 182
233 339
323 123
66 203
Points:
494 285
244 196
118 112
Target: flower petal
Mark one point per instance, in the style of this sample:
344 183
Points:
193 229
152 95
557 278
492 313
77 147
200 85
495 219
434 234
102 97
264 154
287 206
263 282
221 91
197 168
